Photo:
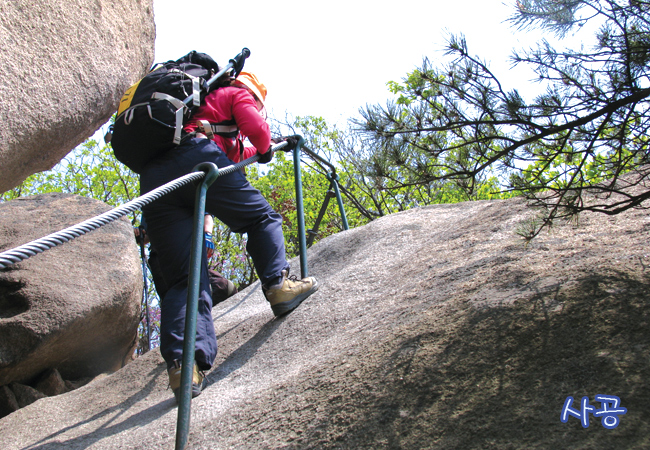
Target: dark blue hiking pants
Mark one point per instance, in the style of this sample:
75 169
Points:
170 222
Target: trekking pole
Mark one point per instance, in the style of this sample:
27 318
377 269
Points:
237 63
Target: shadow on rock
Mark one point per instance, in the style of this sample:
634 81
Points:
112 426
497 377
242 355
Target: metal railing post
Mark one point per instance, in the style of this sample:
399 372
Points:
334 178
313 232
302 235
191 311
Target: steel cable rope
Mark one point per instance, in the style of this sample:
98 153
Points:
37 246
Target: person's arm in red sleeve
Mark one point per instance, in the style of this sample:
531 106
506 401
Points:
248 152
251 123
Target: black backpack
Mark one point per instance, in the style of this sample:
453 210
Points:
153 111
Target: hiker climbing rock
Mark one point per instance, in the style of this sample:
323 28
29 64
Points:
232 200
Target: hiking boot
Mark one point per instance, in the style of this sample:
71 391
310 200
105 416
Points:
286 295
231 289
221 288
198 380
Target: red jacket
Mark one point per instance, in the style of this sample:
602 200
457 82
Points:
229 103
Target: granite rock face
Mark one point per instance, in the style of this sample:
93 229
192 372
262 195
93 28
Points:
436 327
65 66
75 307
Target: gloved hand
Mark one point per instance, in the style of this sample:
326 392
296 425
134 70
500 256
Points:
292 142
140 235
265 157
209 245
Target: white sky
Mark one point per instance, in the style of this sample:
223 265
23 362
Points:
331 58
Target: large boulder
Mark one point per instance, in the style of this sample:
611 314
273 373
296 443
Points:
74 308
434 328
65 66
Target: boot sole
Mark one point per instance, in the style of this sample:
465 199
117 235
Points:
286 307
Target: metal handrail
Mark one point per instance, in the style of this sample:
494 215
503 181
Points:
208 173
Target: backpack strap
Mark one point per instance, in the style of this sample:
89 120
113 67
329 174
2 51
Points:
227 128
180 109
196 86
